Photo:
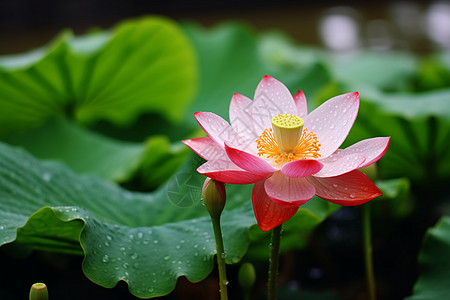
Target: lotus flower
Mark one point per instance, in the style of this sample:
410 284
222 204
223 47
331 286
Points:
288 154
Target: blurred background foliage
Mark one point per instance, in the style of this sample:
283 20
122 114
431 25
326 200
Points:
114 103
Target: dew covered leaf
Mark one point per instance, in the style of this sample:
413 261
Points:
147 240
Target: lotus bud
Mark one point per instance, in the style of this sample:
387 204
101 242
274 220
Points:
38 291
214 196
247 276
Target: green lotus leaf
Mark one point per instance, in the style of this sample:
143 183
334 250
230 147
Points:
388 71
397 193
84 151
147 240
419 127
434 263
233 59
149 164
434 72
297 66
229 63
143 65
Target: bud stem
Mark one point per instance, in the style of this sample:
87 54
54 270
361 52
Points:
220 257
38 291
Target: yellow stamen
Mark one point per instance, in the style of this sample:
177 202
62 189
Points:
307 147
287 130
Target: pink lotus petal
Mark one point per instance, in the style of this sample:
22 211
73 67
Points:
241 120
301 168
206 148
217 128
249 162
269 214
373 149
349 189
271 98
301 104
227 172
288 191
332 121
338 163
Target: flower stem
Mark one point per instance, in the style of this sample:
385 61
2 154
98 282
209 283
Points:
220 257
273 263
368 251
